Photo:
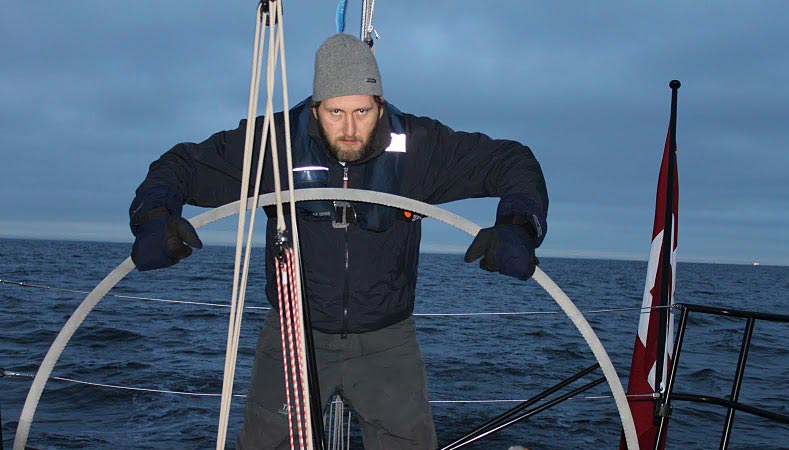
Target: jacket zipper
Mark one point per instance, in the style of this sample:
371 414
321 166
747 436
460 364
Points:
346 291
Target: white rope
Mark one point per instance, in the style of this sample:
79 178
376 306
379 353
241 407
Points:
234 328
276 46
238 280
87 305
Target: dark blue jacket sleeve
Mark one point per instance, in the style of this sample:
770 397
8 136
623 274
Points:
205 174
458 165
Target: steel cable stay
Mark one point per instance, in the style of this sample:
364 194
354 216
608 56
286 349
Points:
15 374
585 312
90 301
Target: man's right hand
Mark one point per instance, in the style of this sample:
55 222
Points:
163 237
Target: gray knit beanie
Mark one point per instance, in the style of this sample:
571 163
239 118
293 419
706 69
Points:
345 65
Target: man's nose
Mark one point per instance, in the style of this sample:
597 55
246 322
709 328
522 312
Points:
349 125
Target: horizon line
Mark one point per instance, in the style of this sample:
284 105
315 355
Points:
449 249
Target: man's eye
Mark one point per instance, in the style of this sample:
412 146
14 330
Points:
362 111
336 112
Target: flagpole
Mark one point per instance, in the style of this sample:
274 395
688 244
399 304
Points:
668 245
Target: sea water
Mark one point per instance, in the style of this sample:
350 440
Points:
181 347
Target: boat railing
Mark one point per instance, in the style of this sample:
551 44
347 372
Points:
732 403
520 412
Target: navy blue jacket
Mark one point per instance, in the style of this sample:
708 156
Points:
357 279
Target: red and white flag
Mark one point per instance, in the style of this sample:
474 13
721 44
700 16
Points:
642 382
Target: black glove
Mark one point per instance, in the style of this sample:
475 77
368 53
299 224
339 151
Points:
508 246
159 229
507 249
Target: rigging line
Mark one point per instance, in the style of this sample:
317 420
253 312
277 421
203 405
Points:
238 279
348 433
529 313
367 29
517 400
291 346
121 387
234 328
275 47
334 423
333 420
133 297
199 394
303 330
266 308
294 269
652 396
24 284
286 340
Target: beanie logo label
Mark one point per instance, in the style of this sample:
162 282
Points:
372 80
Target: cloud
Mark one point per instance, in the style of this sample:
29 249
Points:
98 90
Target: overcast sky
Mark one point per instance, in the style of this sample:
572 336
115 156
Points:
92 91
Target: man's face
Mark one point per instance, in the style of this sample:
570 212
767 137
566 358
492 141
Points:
348 125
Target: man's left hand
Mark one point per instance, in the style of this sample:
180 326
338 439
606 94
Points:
504 248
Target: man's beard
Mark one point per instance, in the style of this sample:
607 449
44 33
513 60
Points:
349 155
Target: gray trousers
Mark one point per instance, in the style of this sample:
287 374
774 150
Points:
380 374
